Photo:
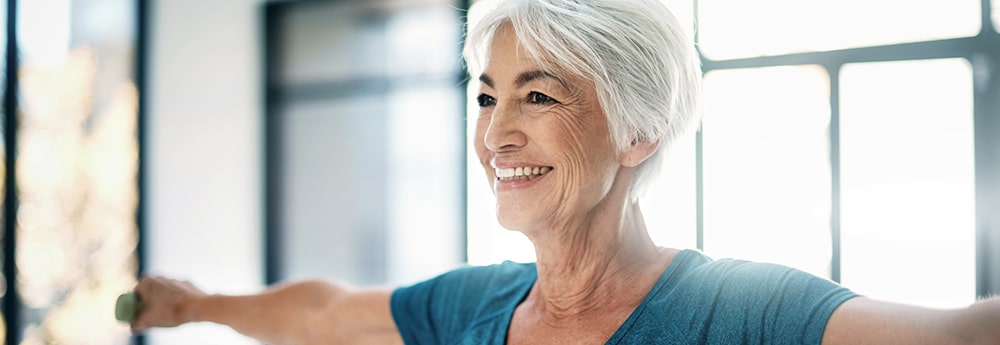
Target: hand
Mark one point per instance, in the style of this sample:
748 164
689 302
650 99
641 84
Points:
166 302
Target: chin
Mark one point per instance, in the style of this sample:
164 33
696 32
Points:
510 219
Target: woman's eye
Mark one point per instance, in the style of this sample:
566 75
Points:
539 98
486 101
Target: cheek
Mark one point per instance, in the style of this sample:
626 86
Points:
587 149
584 143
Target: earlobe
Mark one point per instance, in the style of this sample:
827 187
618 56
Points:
638 152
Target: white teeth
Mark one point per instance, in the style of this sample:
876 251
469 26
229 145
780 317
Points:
520 173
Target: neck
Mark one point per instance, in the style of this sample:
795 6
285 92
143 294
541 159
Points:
606 262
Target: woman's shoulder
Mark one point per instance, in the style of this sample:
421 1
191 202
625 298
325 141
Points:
693 273
712 301
470 295
477 281
701 265
507 272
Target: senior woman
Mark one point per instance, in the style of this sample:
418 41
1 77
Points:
579 99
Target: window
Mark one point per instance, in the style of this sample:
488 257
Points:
775 27
74 128
364 141
995 4
898 141
907 181
766 167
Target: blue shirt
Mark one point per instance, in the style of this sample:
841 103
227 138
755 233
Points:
695 301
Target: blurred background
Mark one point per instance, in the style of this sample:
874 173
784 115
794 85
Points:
238 143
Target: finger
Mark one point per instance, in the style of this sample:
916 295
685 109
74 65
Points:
141 323
145 283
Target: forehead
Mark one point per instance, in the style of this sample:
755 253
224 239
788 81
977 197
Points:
507 53
510 63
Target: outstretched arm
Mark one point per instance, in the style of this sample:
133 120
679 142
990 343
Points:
297 313
863 320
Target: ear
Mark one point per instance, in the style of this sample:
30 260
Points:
638 152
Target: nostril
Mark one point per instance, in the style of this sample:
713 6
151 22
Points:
504 139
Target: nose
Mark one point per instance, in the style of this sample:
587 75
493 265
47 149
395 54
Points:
504 131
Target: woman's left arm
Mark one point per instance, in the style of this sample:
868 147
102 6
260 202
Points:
863 320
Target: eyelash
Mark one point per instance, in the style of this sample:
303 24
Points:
534 97
486 100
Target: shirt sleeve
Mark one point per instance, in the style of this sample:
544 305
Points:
419 319
443 309
766 303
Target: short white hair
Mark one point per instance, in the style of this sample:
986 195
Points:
643 64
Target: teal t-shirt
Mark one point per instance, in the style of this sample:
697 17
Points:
695 301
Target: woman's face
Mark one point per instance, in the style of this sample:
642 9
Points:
542 139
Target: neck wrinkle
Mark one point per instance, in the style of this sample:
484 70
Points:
594 267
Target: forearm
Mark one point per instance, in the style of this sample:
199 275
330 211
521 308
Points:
288 314
299 313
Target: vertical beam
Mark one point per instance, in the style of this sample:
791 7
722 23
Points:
463 83
699 173
987 151
986 117
141 71
11 300
834 72
699 184
273 244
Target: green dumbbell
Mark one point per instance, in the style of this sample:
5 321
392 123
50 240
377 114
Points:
127 307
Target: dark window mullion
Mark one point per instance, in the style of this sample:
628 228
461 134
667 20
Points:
141 69
11 301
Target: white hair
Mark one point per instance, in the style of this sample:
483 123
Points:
643 64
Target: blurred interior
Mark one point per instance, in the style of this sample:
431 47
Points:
238 143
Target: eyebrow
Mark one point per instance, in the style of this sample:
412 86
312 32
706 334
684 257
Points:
524 78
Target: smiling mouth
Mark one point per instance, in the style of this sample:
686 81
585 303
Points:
521 173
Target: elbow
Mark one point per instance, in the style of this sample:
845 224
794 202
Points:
979 324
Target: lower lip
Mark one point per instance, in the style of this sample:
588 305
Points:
510 185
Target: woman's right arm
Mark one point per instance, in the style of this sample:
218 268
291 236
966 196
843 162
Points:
296 313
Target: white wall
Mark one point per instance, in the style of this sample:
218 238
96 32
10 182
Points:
204 157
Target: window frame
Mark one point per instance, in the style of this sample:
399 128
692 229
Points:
983 52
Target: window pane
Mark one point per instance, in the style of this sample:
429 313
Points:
329 228
733 29
908 213
425 202
389 103
77 168
766 166
683 10
670 204
995 4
